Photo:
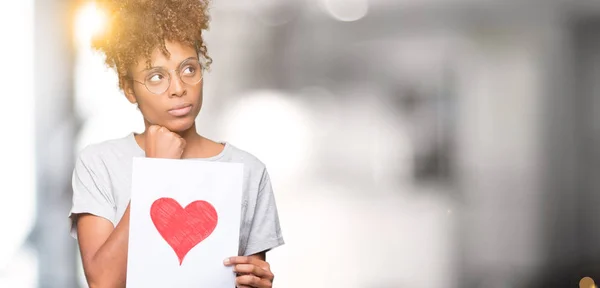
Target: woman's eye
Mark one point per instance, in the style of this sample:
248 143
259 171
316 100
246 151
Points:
189 70
155 77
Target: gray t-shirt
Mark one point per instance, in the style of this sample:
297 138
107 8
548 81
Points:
102 187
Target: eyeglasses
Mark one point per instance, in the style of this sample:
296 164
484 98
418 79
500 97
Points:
158 80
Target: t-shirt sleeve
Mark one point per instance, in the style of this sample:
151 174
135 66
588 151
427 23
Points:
265 232
89 195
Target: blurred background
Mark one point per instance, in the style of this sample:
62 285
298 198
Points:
411 143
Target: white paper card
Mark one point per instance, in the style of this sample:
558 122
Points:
184 221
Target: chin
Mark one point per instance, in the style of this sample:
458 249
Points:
180 125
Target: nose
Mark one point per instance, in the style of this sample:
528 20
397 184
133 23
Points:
177 88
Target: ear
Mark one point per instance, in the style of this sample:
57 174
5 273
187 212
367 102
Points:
128 90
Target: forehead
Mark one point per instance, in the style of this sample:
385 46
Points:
178 52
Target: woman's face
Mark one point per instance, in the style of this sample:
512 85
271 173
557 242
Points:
169 93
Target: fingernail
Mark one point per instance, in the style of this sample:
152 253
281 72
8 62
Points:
226 261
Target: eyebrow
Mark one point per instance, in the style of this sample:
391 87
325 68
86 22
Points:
179 65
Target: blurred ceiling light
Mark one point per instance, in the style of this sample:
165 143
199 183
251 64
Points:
90 21
346 10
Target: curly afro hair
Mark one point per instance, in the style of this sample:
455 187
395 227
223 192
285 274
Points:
137 27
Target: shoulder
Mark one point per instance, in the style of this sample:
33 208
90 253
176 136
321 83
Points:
241 156
102 154
109 148
254 169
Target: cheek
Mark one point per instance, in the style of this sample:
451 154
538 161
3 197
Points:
197 95
150 105
198 92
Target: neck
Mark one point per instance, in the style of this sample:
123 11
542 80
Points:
190 135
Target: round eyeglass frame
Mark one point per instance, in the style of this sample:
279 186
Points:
178 73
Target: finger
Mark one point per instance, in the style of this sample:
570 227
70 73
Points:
236 260
153 129
252 281
252 269
246 260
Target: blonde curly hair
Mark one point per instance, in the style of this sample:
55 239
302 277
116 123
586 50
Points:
136 27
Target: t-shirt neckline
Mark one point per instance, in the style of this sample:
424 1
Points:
140 152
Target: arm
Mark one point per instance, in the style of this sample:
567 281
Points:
104 246
103 250
262 256
265 234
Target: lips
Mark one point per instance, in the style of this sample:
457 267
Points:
180 110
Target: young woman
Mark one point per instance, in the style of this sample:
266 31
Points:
157 50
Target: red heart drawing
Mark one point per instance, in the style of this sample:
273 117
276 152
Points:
183 228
